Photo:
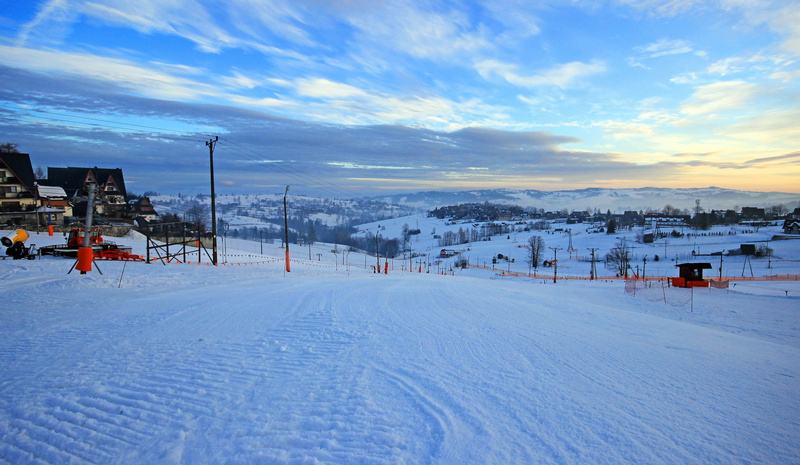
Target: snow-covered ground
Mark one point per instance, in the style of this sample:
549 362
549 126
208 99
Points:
784 260
330 363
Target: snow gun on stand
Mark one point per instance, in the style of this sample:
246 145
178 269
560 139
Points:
15 243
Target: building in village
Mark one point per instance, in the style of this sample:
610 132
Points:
142 208
791 224
17 182
111 199
54 206
24 201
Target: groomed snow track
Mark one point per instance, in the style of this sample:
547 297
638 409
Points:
188 365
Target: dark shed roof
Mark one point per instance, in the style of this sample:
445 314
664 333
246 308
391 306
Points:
695 266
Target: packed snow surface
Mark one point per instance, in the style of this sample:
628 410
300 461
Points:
244 364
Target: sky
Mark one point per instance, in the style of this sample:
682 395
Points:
345 98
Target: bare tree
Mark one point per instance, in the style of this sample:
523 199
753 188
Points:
619 258
536 243
312 234
9 147
197 213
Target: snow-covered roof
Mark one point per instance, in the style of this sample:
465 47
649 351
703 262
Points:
46 209
51 192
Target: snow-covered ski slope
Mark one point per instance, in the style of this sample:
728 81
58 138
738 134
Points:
187 364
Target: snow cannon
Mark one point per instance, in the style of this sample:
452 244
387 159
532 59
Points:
20 235
15 243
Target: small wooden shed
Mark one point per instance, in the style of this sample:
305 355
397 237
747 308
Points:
691 275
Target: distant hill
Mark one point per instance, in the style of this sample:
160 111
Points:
617 200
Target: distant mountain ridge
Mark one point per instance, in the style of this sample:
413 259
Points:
617 200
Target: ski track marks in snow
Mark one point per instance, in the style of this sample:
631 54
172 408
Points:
191 366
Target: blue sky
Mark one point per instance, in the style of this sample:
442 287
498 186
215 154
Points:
342 97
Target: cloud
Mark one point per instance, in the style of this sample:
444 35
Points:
760 63
660 48
262 149
241 24
325 89
123 73
782 17
408 28
664 47
316 98
563 76
661 8
54 18
625 130
792 158
719 97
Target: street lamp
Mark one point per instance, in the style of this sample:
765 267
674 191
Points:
286 227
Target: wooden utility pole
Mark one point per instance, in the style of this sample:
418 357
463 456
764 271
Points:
286 227
593 270
210 144
555 260
377 255
644 269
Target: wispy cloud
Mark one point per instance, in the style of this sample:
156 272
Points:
562 76
665 47
409 28
759 63
793 158
323 88
719 97
208 26
660 48
123 73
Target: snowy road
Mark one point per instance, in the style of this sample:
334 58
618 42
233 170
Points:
191 365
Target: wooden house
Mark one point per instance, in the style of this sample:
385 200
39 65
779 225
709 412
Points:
111 197
17 182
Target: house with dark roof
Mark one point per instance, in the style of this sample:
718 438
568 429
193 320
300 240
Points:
791 224
17 182
111 197
142 208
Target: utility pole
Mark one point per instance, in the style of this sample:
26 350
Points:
593 270
377 255
769 254
286 227
210 144
555 259
644 269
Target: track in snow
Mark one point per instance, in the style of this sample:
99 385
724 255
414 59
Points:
376 369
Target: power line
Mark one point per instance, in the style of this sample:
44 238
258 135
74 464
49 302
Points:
284 171
303 177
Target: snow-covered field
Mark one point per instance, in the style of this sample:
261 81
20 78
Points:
661 256
245 364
